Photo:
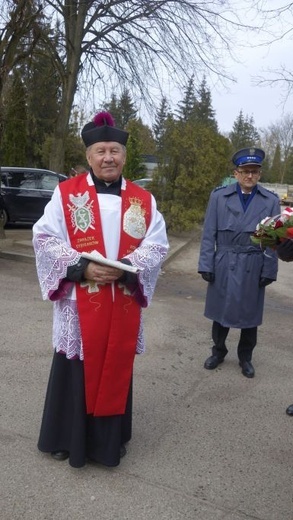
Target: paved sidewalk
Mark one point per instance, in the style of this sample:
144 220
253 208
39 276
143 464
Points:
207 445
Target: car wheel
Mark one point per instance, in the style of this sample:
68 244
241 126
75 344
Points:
3 217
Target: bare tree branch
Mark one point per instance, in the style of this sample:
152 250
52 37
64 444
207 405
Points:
135 42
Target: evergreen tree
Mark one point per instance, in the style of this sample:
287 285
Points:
159 126
128 112
145 136
163 128
113 107
196 164
204 111
123 109
289 173
244 134
74 146
134 167
43 89
14 140
186 107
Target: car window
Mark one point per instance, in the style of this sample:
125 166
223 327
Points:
28 182
22 180
48 181
3 181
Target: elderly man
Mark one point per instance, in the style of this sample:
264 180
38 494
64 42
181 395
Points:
237 271
99 248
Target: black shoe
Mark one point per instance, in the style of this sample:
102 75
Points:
60 455
247 368
122 451
289 410
212 362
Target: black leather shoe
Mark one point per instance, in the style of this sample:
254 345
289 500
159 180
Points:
60 455
289 410
247 368
122 451
212 362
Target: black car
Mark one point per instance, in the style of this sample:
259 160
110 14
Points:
26 191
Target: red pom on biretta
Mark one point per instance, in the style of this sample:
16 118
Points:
103 118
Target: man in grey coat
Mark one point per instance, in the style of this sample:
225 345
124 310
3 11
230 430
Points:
237 271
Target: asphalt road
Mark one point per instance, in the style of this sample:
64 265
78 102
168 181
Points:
207 445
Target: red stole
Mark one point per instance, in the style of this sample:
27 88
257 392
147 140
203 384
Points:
109 329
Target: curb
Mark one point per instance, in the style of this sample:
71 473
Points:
177 251
28 257
18 246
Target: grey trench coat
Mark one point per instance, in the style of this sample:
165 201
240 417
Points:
234 299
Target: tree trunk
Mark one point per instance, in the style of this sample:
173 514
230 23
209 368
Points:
74 15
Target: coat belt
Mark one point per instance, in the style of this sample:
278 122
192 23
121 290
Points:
240 249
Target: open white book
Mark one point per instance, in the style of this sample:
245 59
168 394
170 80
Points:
95 256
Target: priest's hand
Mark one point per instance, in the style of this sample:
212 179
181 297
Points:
102 273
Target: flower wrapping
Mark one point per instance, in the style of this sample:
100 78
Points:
273 230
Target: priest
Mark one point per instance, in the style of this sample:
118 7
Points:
92 221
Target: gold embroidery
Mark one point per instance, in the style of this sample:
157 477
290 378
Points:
134 219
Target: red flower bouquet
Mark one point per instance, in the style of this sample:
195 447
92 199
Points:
273 230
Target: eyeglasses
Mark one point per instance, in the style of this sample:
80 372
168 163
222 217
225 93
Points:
249 172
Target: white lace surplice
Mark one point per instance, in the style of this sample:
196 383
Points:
54 255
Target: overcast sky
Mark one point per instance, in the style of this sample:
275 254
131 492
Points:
266 104
255 58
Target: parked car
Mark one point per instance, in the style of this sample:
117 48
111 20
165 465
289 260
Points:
26 191
144 183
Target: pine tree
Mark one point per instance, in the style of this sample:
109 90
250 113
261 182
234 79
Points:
244 134
186 107
123 109
43 100
160 129
145 136
160 121
14 140
113 107
134 167
204 111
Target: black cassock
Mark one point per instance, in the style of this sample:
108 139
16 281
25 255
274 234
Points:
67 427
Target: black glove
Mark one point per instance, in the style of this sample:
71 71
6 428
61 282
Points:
127 278
285 250
265 281
75 273
208 277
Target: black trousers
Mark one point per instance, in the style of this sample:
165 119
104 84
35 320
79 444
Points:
247 341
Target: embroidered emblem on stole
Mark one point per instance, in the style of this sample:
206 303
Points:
82 216
134 219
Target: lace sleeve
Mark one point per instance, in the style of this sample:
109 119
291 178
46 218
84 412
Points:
53 257
148 259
